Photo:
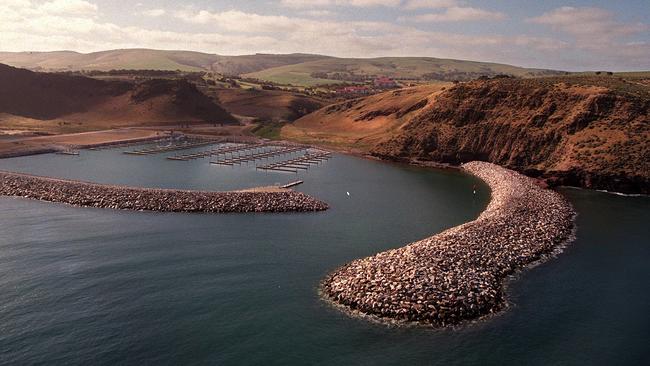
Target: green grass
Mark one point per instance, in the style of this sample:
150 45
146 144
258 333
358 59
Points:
269 130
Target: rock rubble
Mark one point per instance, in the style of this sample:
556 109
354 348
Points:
145 199
458 275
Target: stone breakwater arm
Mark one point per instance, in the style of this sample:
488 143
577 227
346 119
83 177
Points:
458 275
166 200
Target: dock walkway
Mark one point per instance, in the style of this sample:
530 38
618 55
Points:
301 163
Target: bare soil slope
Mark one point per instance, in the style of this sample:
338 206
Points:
591 132
361 123
58 103
267 105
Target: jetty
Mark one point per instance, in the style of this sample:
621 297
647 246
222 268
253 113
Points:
86 194
458 275
129 143
292 184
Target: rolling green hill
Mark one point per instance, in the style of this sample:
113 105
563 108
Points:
136 59
145 59
323 71
296 69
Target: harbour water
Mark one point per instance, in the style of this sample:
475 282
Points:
98 286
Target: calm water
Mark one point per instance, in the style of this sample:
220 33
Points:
93 286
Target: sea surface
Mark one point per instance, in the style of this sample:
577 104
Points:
84 286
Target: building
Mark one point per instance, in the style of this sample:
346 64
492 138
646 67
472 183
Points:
384 83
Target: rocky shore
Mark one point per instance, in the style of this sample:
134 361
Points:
458 275
145 199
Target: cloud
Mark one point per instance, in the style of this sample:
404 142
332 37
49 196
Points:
587 22
68 7
457 14
34 26
429 4
154 13
326 3
596 31
318 13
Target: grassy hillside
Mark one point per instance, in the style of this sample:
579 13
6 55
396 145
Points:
136 59
296 69
145 59
238 65
394 67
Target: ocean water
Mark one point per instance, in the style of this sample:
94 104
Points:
84 286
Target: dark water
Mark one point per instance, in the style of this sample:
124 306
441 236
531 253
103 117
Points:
92 286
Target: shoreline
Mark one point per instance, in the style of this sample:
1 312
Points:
460 274
86 194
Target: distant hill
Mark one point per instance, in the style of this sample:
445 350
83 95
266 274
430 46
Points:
36 100
296 69
588 131
239 65
331 70
136 59
146 59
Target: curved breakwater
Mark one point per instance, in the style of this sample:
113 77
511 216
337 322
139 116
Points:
145 199
458 274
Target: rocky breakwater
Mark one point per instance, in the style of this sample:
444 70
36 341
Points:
458 275
145 199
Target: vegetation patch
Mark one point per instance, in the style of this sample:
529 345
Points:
269 130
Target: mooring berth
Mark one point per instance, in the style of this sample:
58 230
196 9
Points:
259 156
300 163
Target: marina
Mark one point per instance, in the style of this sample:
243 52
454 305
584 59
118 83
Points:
300 163
246 158
219 151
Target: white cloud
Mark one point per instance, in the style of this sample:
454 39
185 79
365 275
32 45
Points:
68 7
318 13
587 22
458 14
325 3
154 13
31 26
429 4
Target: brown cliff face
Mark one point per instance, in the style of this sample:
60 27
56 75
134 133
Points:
580 131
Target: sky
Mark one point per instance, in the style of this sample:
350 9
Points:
565 35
